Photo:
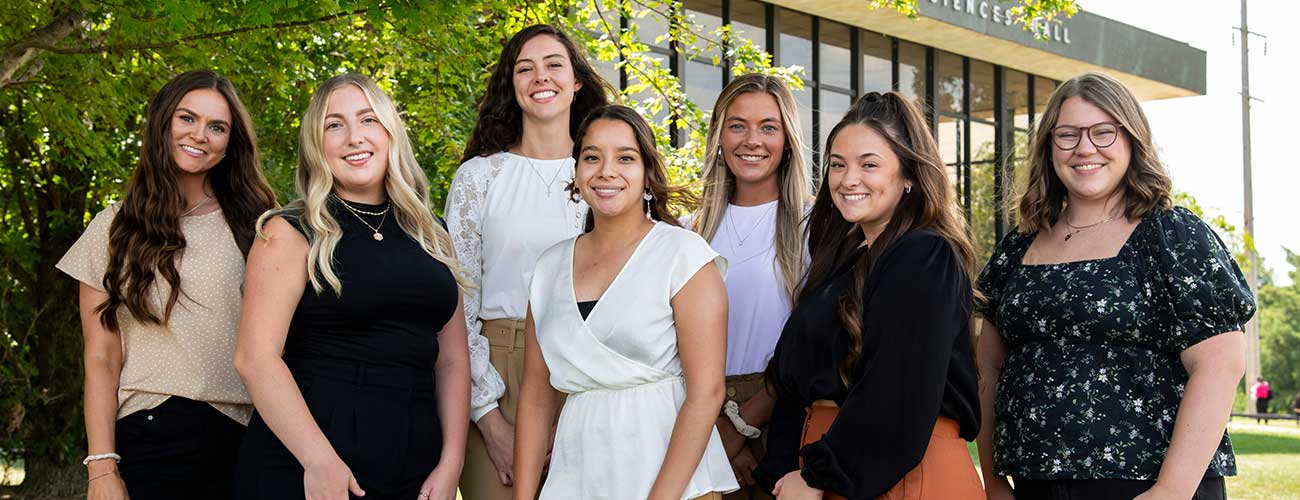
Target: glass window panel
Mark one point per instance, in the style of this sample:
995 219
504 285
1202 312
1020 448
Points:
748 20
705 16
650 27
796 40
834 44
981 90
1015 88
911 72
607 70
834 106
951 148
949 77
1043 89
803 100
877 69
982 172
703 82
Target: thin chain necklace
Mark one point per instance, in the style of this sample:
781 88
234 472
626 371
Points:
357 213
731 221
1079 229
360 211
540 177
205 201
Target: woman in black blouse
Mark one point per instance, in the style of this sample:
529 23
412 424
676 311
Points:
877 351
1111 344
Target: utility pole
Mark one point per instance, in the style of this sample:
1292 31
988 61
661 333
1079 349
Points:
1252 275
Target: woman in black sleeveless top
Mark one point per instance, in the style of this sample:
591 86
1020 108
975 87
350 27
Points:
356 285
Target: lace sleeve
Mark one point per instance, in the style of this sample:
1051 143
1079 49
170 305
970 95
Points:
465 203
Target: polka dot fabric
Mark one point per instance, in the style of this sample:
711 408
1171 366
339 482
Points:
191 356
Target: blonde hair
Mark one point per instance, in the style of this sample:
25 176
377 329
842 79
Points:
405 183
794 189
1146 184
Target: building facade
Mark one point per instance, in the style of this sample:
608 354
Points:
980 77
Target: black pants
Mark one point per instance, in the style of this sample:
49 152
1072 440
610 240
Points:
382 421
1211 488
181 449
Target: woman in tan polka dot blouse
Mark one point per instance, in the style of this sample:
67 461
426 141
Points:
160 274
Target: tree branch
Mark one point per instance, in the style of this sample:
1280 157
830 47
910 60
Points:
192 38
20 53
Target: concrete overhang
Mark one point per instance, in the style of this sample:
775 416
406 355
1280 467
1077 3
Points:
1153 66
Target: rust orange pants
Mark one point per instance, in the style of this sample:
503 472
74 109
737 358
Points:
946 472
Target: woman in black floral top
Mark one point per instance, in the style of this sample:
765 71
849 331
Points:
1111 345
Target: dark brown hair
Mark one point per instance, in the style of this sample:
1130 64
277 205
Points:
145 238
929 205
665 196
501 121
1146 184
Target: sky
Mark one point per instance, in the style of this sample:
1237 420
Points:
1200 137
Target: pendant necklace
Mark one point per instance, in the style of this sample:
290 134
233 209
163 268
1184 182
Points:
545 182
357 213
1079 229
731 221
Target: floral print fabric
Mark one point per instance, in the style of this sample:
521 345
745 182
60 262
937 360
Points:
1093 379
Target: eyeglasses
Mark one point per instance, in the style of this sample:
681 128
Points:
1101 135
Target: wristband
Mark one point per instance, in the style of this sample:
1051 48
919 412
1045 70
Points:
102 456
732 411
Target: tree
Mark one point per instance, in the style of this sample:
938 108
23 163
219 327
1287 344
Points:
1279 336
75 76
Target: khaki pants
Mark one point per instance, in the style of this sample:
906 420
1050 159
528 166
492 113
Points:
739 389
479 480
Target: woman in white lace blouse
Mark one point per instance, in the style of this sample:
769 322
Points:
506 205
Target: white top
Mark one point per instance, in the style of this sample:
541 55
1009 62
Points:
621 370
757 304
502 214
191 355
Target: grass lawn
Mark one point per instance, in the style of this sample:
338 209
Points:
1268 460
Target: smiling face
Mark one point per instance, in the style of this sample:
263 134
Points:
200 130
610 173
864 178
543 79
1089 172
355 144
753 139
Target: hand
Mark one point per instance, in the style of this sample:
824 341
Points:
107 483
743 465
732 440
330 481
792 487
1160 492
997 488
499 436
441 485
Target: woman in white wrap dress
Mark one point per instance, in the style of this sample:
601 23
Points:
642 363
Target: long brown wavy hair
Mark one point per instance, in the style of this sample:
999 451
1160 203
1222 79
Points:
665 197
145 238
930 205
500 119
793 187
1146 185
